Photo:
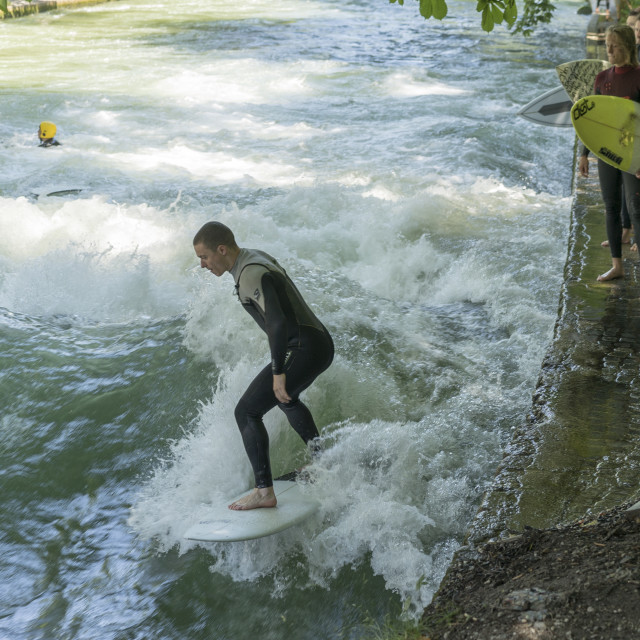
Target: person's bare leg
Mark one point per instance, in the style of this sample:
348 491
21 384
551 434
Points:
257 499
616 271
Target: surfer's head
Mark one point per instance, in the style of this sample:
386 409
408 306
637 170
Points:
621 45
632 18
216 248
213 234
46 131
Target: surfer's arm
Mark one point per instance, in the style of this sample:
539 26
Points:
583 163
583 166
280 388
275 324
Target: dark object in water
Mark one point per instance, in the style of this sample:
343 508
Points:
64 192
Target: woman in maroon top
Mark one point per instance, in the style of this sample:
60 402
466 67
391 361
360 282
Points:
622 79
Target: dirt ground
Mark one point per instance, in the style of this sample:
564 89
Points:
576 582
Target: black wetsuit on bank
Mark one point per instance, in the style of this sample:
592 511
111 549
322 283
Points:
300 346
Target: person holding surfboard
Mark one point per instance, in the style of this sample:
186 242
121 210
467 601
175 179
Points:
622 79
301 349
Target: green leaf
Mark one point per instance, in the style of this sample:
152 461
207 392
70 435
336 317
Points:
487 19
511 13
481 5
440 9
426 9
496 14
3 6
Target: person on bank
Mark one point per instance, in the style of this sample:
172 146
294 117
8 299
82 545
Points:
46 135
606 7
622 79
301 349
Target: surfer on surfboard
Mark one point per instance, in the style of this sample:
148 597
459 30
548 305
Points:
301 349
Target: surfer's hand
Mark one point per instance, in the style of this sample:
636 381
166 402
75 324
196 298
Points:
583 166
279 388
638 174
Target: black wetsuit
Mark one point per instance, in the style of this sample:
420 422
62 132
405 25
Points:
50 142
300 345
623 82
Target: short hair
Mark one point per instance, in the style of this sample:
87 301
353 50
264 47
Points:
213 234
627 39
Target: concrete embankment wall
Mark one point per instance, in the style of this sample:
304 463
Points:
578 451
24 8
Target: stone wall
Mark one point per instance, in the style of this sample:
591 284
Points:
24 8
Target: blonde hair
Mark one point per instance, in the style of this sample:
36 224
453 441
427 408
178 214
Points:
627 39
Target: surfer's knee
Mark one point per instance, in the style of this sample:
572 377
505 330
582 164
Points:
244 414
240 413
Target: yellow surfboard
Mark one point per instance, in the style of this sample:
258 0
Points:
610 128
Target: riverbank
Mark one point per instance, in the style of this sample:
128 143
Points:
24 8
578 582
552 552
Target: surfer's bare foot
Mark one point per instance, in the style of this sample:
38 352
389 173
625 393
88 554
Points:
257 499
612 274
634 247
626 239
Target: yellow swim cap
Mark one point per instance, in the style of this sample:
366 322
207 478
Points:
47 130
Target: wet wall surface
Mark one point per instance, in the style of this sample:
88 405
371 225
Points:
578 451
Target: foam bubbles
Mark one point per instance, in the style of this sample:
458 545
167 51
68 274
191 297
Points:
90 258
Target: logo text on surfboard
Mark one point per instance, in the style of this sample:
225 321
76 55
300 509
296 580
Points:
607 153
582 107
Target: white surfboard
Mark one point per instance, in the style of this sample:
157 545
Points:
552 108
222 524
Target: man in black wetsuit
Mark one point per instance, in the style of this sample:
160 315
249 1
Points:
301 349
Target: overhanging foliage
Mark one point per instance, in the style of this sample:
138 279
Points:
495 12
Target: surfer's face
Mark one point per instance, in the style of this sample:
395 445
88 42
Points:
214 261
617 54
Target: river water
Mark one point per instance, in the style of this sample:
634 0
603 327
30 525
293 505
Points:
379 158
